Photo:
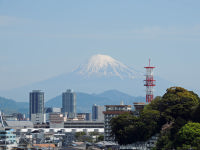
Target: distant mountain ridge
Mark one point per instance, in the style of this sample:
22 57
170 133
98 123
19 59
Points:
9 106
100 73
84 101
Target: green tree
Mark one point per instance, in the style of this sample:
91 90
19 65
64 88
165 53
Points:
149 119
93 133
122 126
127 128
164 143
100 138
177 102
189 134
195 114
177 107
174 109
79 134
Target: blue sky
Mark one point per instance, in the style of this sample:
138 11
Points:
42 39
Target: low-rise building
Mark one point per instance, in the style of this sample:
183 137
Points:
56 120
84 116
38 118
7 139
18 124
80 117
139 106
49 110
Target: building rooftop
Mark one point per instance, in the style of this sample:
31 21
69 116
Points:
117 105
44 145
20 124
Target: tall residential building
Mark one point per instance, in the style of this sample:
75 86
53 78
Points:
69 103
97 113
112 111
36 106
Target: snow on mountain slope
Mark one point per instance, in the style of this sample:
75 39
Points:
104 65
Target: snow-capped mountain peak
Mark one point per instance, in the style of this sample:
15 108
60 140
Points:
99 61
104 65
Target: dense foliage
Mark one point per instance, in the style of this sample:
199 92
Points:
165 115
189 134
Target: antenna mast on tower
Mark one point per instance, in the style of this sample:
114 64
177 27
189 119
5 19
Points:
149 82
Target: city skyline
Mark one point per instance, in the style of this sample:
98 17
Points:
37 45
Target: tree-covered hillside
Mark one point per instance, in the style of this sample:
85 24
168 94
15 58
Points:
169 115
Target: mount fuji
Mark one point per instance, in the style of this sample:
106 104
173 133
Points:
106 66
98 74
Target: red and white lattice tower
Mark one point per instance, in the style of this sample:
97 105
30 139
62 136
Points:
149 82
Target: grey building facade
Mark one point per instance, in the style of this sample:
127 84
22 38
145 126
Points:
36 102
69 103
97 113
